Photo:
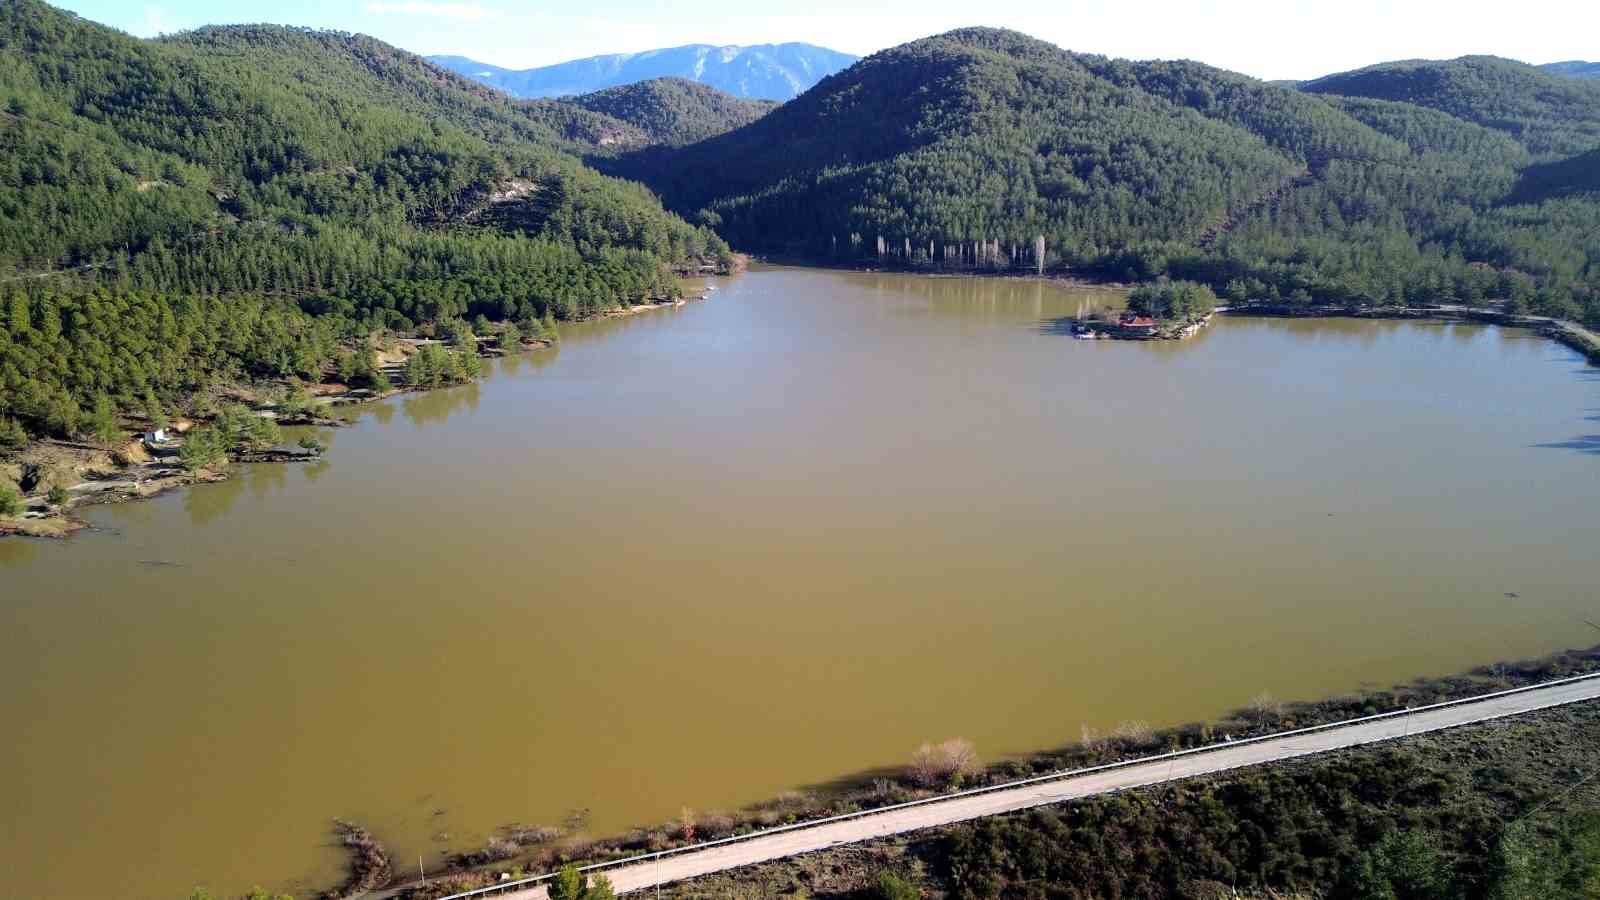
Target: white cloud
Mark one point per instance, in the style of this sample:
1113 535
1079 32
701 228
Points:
469 12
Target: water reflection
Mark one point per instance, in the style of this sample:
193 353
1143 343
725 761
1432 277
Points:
383 411
206 503
431 407
532 360
267 477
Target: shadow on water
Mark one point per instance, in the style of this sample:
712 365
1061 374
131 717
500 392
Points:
1583 443
1062 327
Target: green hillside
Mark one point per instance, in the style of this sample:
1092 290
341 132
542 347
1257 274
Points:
1545 112
674 111
302 184
967 149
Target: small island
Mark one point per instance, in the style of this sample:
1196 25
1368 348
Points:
1164 310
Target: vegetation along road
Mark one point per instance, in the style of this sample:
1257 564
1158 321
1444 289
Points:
733 853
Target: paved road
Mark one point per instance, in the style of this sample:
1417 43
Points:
693 863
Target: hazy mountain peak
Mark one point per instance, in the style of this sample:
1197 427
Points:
1574 68
758 71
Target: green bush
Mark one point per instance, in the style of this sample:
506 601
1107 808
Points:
240 429
1182 300
297 402
12 435
57 495
891 886
10 501
203 448
1404 865
570 884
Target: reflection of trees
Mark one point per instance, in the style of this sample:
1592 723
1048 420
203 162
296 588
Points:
383 412
997 297
314 470
437 406
205 503
533 359
267 477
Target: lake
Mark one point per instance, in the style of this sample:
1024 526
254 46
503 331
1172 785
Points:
704 555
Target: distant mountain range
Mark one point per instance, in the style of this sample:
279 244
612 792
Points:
1574 69
763 72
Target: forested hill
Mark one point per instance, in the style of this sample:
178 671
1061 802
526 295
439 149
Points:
1548 113
302 184
972 148
1574 69
675 111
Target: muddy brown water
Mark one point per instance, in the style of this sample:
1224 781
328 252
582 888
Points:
701 556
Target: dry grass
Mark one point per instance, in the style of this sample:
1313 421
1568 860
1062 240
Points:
949 762
1265 708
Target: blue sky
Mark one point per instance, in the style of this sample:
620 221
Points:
1286 39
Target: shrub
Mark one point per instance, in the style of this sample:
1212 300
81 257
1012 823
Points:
10 501
297 402
202 448
57 495
510 337
567 885
894 887
12 435
1135 735
949 762
240 429
1407 865
1265 708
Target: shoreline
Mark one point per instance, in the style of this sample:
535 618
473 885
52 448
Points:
514 850
128 473
43 520
1565 332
